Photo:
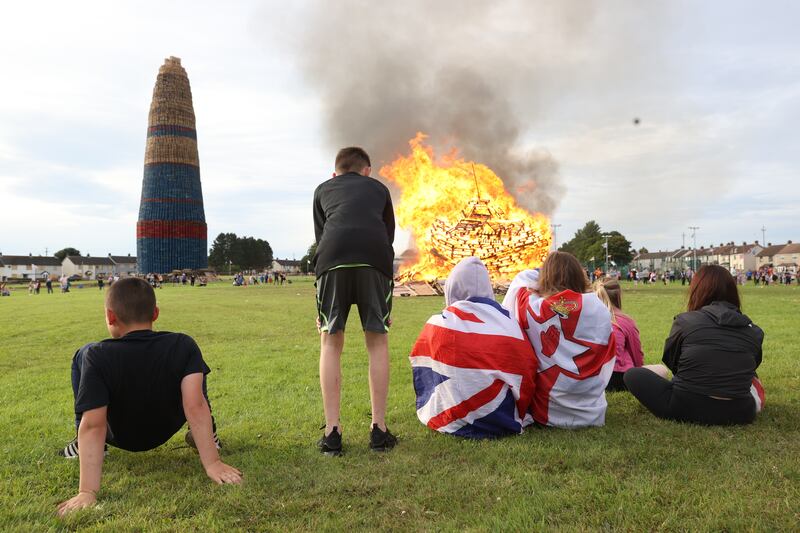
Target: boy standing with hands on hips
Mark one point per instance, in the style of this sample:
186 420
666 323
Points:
354 230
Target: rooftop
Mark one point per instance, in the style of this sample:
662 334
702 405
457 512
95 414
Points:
89 260
38 260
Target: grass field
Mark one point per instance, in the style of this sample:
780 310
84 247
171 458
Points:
637 473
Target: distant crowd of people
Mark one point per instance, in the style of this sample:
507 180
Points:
763 276
766 276
263 278
157 280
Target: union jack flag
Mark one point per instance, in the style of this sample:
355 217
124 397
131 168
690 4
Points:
572 337
473 371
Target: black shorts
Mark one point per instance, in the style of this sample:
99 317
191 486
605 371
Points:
366 287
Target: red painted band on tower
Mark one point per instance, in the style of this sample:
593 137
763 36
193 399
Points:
170 229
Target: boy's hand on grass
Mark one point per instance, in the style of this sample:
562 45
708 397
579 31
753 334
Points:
81 501
221 473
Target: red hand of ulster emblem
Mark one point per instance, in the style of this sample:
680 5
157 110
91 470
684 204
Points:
550 340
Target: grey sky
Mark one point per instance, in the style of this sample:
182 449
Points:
715 84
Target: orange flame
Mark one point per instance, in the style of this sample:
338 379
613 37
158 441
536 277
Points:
455 209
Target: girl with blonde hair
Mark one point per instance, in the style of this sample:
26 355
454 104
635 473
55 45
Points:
626 334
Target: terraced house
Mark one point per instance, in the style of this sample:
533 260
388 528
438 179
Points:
28 266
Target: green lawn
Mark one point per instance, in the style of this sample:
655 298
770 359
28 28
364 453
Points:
637 473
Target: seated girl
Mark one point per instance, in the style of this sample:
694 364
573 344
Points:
713 351
626 334
570 331
473 367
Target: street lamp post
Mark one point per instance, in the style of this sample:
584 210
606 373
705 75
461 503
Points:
555 235
605 245
694 248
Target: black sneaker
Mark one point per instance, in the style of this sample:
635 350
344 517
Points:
190 440
332 443
70 451
381 441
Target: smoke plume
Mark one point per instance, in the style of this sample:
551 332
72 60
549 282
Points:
474 75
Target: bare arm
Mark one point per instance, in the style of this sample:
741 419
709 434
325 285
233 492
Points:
198 415
91 446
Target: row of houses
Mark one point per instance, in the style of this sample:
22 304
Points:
86 267
739 257
89 267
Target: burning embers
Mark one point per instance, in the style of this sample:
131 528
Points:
456 209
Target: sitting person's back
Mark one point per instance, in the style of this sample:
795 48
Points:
138 376
570 331
713 351
135 390
628 344
473 367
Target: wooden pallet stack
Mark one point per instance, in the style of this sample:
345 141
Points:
171 233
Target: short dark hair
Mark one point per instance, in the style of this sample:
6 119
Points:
132 300
562 271
351 159
712 283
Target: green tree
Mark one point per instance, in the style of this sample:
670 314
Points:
589 242
582 244
306 263
220 254
61 254
229 251
252 254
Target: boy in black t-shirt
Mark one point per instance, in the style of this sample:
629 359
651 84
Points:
136 390
354 229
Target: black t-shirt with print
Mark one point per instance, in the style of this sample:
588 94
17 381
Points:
138 377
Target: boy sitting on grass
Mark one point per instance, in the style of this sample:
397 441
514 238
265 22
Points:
136 390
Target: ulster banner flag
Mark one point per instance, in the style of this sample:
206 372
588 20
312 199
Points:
573 341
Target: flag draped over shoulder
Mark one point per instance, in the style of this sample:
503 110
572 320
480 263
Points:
572 337
473 371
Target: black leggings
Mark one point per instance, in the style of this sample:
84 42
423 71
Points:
616 383
664 401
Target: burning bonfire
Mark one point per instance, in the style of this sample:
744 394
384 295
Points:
456 209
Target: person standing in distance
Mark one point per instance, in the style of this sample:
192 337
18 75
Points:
354 230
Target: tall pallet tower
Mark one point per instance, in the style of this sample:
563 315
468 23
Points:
171 233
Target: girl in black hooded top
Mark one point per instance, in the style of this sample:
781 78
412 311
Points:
713 351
